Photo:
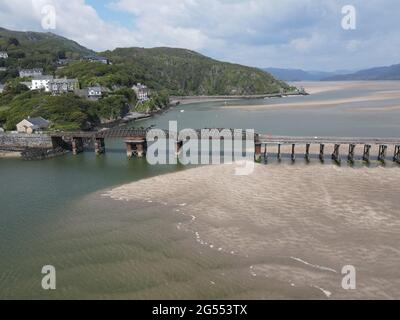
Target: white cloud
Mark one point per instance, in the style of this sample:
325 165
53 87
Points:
284 33
74 19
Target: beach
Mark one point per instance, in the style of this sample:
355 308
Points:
296 226
365 92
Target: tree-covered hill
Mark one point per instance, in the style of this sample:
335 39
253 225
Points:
185 72
166 71
35 50
181 71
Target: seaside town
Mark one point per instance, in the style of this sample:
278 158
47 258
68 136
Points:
35 79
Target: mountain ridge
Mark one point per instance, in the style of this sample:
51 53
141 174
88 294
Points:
180 71
377 73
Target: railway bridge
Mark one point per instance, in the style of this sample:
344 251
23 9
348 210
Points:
136 144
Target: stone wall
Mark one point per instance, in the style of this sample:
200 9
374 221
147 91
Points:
20 140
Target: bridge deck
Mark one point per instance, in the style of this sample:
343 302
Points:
326 140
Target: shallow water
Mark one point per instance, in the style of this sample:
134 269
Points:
281 233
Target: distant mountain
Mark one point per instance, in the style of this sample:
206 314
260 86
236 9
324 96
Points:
180 71
380 73
300 75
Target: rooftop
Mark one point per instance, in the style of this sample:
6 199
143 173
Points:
38 121
63 80
43 77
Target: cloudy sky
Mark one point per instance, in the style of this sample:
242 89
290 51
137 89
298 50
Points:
304 34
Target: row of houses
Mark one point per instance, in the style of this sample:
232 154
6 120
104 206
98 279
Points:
50 84
30 73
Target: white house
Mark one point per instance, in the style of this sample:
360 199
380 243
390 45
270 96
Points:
27 73
103 60
42 83
94 93
31 125
142 92
3 55
58 86
1 88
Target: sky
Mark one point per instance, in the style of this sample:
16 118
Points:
305 34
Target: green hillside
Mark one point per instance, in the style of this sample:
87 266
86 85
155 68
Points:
180 71
35 50
166 71
185 72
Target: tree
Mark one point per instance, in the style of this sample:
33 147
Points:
13 41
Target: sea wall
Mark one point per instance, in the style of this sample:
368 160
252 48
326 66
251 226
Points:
22 141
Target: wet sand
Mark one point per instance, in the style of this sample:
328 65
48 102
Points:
380 92
296 226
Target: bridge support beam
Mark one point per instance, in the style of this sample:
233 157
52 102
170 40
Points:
179 145
257 152
136 148
129 149
396 157
307 155
77 146
382 153
293 155
99 146
279 152
57 142
336 153
352 148
321 152
367 151
265 152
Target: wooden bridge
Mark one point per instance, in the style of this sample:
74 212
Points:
136 143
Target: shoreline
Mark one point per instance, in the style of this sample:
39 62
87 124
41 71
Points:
184 100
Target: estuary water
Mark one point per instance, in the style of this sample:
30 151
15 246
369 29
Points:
118 228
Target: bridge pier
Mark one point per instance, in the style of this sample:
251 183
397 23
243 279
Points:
99 146
279 156
57 142
136 148
321 152
257 152
307 155
293 155
367 151
352 148
77 146
265 152
396 157
336 153
179 145
382 153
